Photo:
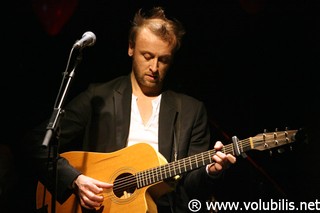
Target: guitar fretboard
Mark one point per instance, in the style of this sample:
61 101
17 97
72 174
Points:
154 175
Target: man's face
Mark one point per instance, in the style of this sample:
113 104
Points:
151 59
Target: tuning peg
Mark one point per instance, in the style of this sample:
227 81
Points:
270 153
264 135
275 135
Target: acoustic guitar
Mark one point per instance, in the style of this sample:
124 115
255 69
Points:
139 173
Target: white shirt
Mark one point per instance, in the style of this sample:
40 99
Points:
139 132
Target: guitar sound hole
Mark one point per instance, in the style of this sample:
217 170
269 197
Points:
124 185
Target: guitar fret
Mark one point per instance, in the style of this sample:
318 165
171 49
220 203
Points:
153 175
147 174
211 153
138 180
171 170
208 156
196 161
157 174
149 178
143 180
174 172
184 165
161 173
174 168
233 150
241 147
202 158
165 173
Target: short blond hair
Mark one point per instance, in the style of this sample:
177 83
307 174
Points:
169 30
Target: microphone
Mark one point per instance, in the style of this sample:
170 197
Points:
88 39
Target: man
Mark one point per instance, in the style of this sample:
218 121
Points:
137 108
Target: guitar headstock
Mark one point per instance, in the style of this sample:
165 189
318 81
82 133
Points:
270 140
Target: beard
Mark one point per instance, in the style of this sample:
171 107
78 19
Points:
150 83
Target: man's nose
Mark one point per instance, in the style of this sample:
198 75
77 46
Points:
154 65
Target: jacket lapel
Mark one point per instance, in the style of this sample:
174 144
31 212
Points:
167 117
122 107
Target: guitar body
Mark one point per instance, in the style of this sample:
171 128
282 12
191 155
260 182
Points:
108 167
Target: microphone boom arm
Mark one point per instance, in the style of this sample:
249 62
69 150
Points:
57 111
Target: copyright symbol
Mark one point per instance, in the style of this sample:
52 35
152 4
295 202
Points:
194 205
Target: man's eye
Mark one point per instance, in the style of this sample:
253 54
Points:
165 60
147 56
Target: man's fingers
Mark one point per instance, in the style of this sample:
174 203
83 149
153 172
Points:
90 202
231 158
218 145
104 185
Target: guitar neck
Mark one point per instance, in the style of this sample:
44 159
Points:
259 142
181 166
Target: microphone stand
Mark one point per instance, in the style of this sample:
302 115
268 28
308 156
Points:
51 137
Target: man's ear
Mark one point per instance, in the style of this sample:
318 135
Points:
130 51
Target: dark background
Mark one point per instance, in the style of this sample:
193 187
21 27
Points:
253 63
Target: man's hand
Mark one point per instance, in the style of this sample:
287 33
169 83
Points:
89 191
221 160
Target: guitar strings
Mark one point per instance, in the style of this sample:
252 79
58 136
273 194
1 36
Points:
157 174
